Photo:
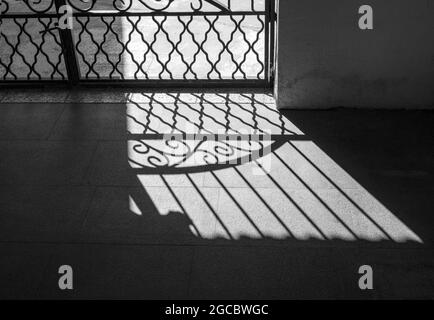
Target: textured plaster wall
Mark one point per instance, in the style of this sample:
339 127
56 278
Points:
325 60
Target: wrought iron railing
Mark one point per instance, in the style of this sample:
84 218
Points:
154 42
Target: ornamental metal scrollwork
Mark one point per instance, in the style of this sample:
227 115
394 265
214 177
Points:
36 6
126 5
82 5
4 7
163 4
196 155
44 6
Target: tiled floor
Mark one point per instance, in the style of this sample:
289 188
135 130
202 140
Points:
96 186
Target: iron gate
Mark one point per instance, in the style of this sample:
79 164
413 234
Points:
145 42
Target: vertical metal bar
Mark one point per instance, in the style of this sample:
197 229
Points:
68 48
273 22
267 42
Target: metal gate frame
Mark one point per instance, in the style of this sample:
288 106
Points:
69 52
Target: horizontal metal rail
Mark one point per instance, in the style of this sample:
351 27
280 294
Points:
113 13
133 83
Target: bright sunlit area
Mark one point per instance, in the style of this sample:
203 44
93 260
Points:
236 168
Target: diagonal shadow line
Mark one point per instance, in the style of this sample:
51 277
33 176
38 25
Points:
255 101
292 201
210 207
177 102
180 205
317 197
178 99
342 191
188 105
226 112
228 101
137 164
264 202
175 113
219 5
149 113
141 124
202 100
255 114
153 99
147 125
201 112
238 205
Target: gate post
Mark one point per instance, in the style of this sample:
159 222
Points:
270 27
68 49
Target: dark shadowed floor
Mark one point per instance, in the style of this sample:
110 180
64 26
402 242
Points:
87 180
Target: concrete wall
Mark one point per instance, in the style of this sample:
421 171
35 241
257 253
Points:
325 60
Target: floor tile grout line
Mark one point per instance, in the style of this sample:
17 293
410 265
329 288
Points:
218 244
87 210
45 273
190 273
55 123
89 167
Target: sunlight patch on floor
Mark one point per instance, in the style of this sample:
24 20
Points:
291 189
